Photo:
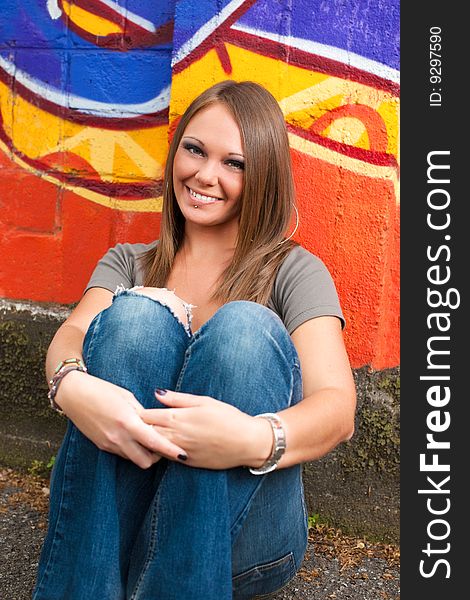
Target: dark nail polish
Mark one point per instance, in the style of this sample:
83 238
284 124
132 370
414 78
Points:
161 392
183 456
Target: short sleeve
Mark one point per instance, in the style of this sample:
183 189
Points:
118 268
304 289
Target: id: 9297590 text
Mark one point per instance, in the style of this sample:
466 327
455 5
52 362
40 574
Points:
435 66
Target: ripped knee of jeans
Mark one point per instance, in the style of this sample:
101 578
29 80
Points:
180 309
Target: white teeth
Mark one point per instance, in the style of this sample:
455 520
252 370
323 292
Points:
201 197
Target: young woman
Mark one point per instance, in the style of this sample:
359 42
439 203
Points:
197 373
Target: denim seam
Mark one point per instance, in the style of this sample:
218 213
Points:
240 519
53 550
93 337
152 544
187 356
304 508
272 595
295 368
270 565
266 566
244 512
293 353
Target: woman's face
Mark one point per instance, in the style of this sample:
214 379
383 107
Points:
208 168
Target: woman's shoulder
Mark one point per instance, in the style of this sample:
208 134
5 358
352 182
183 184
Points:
131 250
119 266
304 289
300 259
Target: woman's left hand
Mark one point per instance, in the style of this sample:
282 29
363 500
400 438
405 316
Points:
215 435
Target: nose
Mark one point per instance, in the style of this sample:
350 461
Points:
207 174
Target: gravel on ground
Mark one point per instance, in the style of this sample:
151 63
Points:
336 566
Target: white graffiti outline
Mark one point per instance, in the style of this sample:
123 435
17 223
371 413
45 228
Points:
53 9
55 12
204 32
326 51
90 107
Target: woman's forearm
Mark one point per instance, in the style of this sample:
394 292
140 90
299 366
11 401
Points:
66 343
316 425
68 340
105 413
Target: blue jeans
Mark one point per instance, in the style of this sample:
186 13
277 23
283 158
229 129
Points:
174 532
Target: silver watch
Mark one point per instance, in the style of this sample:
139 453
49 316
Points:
279 444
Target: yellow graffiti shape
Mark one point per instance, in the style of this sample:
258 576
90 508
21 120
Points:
348 131
90 22
112 153
305 107
303 94
279 78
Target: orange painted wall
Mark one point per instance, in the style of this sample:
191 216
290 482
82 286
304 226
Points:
74 183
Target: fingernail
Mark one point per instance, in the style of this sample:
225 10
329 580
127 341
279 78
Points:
183 456
161 392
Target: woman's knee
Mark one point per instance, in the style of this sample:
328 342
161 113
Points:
138 321
247 333
246 316
249 325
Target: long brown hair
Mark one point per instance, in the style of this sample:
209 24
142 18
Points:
266 202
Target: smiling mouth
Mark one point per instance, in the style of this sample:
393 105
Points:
201 198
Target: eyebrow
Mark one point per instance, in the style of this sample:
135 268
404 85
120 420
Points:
190 137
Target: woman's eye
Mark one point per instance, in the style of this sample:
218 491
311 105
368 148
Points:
193 149
236 164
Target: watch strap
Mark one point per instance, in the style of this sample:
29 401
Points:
279 444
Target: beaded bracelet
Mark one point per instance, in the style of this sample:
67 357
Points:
64 367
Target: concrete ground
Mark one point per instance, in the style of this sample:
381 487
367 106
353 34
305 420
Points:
336 566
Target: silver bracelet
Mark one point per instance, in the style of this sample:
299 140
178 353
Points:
279 444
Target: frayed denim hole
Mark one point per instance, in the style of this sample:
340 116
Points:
122 291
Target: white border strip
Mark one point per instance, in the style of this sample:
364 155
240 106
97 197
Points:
331 52
84 105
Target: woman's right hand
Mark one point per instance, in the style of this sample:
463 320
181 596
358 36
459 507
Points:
109 416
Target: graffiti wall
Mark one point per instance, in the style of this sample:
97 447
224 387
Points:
91 89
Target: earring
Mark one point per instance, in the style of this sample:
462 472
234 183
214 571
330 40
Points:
297 221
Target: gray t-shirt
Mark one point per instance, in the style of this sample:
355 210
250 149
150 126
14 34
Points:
303 288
